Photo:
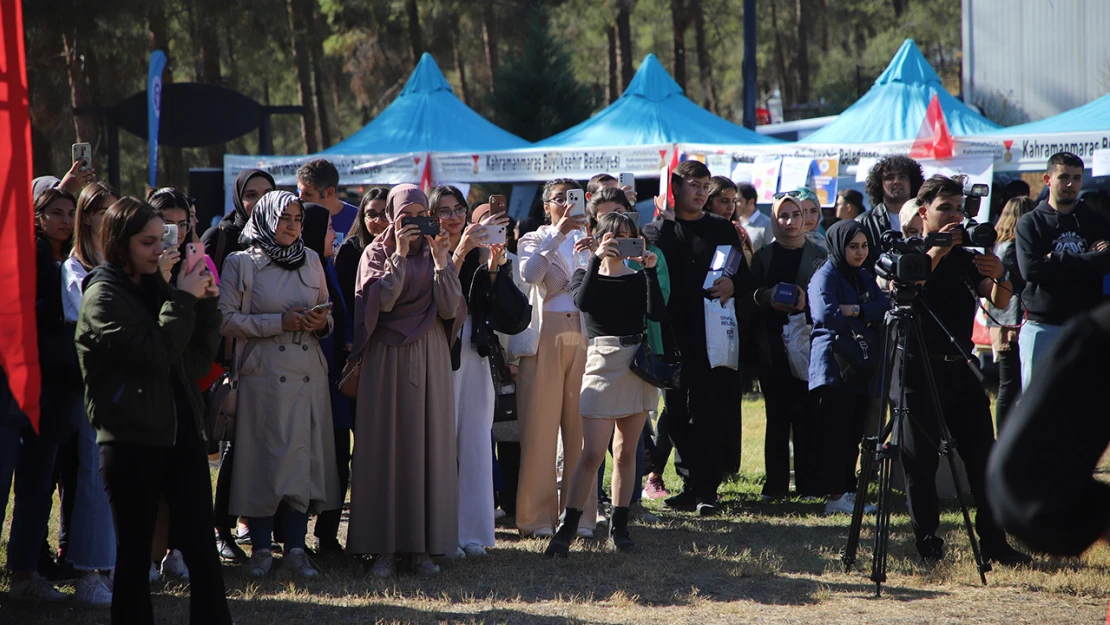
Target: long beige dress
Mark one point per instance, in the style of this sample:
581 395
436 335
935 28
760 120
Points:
404 473
284 442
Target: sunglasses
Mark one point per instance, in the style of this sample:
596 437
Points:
793 193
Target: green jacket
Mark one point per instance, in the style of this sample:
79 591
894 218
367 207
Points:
135 344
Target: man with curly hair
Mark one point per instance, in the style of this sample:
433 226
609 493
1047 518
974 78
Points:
891 182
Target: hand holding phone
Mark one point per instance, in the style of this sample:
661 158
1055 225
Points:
426 225
193 255
630 247
576 203
82 152
325 307
169 237
497 204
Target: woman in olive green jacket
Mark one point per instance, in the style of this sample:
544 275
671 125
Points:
142 346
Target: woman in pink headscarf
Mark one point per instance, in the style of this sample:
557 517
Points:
408 309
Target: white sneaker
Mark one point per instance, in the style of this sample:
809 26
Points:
297 560
637 512
262 560
474 550
34 590
154 576
92 590
459 554
423 565
385 565
585 532
844 505
867 508
173 567
543 532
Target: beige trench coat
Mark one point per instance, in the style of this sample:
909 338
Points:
284 442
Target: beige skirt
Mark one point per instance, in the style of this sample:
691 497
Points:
610 389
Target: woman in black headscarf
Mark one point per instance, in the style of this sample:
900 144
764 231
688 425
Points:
845 301
222 240
318 236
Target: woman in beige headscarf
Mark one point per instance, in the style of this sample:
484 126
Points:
404 476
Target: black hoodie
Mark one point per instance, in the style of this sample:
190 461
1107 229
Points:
1063 275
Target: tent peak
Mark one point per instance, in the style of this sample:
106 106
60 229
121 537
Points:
426 78
908 66
652 82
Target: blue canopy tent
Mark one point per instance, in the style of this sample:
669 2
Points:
894 108
1081 131
653 110
427 117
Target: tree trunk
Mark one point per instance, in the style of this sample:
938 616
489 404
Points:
302 63
824 25
802 59
899 7
174 161
780 56
317 30
210 63
624 42
614 71
678 20
705 66
489 41
84 126
460 71
416 44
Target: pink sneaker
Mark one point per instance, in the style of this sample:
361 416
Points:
654 489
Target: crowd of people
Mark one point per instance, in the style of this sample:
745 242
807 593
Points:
451 366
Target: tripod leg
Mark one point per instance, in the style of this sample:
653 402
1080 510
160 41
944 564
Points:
869 447
945 447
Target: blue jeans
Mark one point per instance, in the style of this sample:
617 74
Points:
31 459
1034 341
92 537
294 524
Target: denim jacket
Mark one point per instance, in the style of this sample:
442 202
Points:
828 290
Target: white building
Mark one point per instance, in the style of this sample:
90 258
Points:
1024 60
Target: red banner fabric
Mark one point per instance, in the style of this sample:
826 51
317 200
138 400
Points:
19 353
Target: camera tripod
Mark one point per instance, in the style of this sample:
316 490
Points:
901 330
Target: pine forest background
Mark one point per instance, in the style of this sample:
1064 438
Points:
534 67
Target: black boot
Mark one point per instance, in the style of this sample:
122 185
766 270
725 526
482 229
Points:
559 546
618 530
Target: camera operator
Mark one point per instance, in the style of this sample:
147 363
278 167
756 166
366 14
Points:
891 182
959 277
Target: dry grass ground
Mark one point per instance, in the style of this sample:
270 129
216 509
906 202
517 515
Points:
755 563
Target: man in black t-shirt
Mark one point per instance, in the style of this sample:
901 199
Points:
958 279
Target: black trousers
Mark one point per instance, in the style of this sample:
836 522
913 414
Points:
661 450
1009 384
135 476
223 519
966 410
508 457
327 523
841 419
704 421
789 415
65 478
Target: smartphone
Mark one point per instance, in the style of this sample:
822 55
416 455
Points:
427 225
630 247
576 203
627 180
785 294
169 236
665 185
82 151
498 204
325 307
193 255
495 235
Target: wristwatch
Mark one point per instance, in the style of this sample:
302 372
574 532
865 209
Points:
855 310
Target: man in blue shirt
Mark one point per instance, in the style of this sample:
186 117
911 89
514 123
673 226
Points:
318 182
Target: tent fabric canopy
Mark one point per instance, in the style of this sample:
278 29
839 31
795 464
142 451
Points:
894 108
425 117
1091 117
653 110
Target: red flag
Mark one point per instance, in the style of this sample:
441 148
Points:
933 139
19 352
426 177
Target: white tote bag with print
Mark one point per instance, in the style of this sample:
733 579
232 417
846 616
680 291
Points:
722 336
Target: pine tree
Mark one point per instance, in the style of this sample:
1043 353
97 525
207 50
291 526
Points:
535 94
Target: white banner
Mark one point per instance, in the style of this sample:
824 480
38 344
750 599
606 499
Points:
539 164
1031 152
353 168
977 170
849 155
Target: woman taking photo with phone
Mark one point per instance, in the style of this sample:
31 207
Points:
285 465
92 539
142 345
847 306
615 301
550 378
405 473
782 270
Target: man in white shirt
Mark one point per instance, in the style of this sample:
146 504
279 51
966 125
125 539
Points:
757 225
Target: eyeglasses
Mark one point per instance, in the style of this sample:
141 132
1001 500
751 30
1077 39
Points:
447 213
184 227
558 200
794 193
375 215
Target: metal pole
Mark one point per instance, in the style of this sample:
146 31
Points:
113 153
265 134
749 66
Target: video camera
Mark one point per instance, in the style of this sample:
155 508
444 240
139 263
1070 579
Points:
975 233
904 261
